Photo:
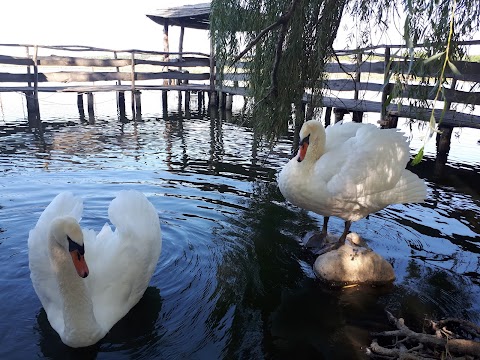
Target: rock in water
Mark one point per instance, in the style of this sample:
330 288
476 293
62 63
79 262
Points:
353 264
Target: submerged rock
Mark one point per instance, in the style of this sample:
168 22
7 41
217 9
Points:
353 263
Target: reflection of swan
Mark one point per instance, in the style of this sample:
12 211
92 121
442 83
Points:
120 264
349 170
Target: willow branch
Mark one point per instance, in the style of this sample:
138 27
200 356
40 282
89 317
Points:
280 21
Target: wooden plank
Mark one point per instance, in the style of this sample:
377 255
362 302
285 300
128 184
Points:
78 76
72 61
451 117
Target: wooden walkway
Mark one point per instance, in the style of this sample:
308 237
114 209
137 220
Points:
354 80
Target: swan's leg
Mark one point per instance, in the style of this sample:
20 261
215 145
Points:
324 228
345 232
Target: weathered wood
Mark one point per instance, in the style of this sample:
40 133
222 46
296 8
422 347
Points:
213 93
328 115
121 105
66 77
81 109
339 113
165 46
86 62
90 105
138 105
35 91
386 77
132 79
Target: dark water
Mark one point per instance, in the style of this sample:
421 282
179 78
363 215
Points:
233 280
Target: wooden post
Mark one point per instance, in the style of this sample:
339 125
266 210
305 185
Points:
443 147
28 67
328 116
164 102
38 121
389 122
309 111
138 105
166 47
200 101
132 73
81 109
32 117
444 137
90 106
386 89
180 46
213 93
339 113
221 100
121 106
357 116
120 95
229 102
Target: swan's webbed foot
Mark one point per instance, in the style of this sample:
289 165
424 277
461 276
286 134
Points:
315 239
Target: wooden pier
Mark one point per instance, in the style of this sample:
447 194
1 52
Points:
378 79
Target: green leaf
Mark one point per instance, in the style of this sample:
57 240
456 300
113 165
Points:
418 158
434 57
454 68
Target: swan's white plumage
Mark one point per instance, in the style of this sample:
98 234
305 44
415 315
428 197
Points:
350 170
121 262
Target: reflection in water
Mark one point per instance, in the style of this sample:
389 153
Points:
234 280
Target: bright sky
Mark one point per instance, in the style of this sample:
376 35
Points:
100 23
123 25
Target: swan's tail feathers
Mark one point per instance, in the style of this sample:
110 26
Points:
410 189
64 204
132 213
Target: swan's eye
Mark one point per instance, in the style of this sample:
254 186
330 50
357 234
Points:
72 246
305 140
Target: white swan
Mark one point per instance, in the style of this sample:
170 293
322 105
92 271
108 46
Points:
349 170
83 301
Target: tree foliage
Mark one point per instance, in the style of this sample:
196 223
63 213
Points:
285 44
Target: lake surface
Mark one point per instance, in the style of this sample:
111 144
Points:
233 280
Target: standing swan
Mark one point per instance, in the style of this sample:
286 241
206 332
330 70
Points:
87 282
349 171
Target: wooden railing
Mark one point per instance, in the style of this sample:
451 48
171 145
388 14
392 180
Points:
393 85
58 72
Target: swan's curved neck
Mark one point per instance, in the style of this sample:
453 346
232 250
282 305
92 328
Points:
316 148
79 319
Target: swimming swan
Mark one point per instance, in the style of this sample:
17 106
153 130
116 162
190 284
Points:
87 282
349 170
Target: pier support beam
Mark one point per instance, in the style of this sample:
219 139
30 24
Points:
164 102
138 105
357 116
389 122
444 138
90 105
81 108
339 114
328 116
33 110
122 114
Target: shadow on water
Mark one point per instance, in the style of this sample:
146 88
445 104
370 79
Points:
132 335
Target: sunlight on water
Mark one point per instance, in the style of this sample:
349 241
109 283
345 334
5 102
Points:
233 280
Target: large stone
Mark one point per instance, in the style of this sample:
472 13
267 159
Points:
353 264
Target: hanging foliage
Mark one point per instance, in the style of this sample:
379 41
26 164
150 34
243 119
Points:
285 44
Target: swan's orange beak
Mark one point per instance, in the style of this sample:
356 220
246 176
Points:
76 252
302 151
79 263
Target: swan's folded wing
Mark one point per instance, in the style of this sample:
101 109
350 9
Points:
369 163
123 261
